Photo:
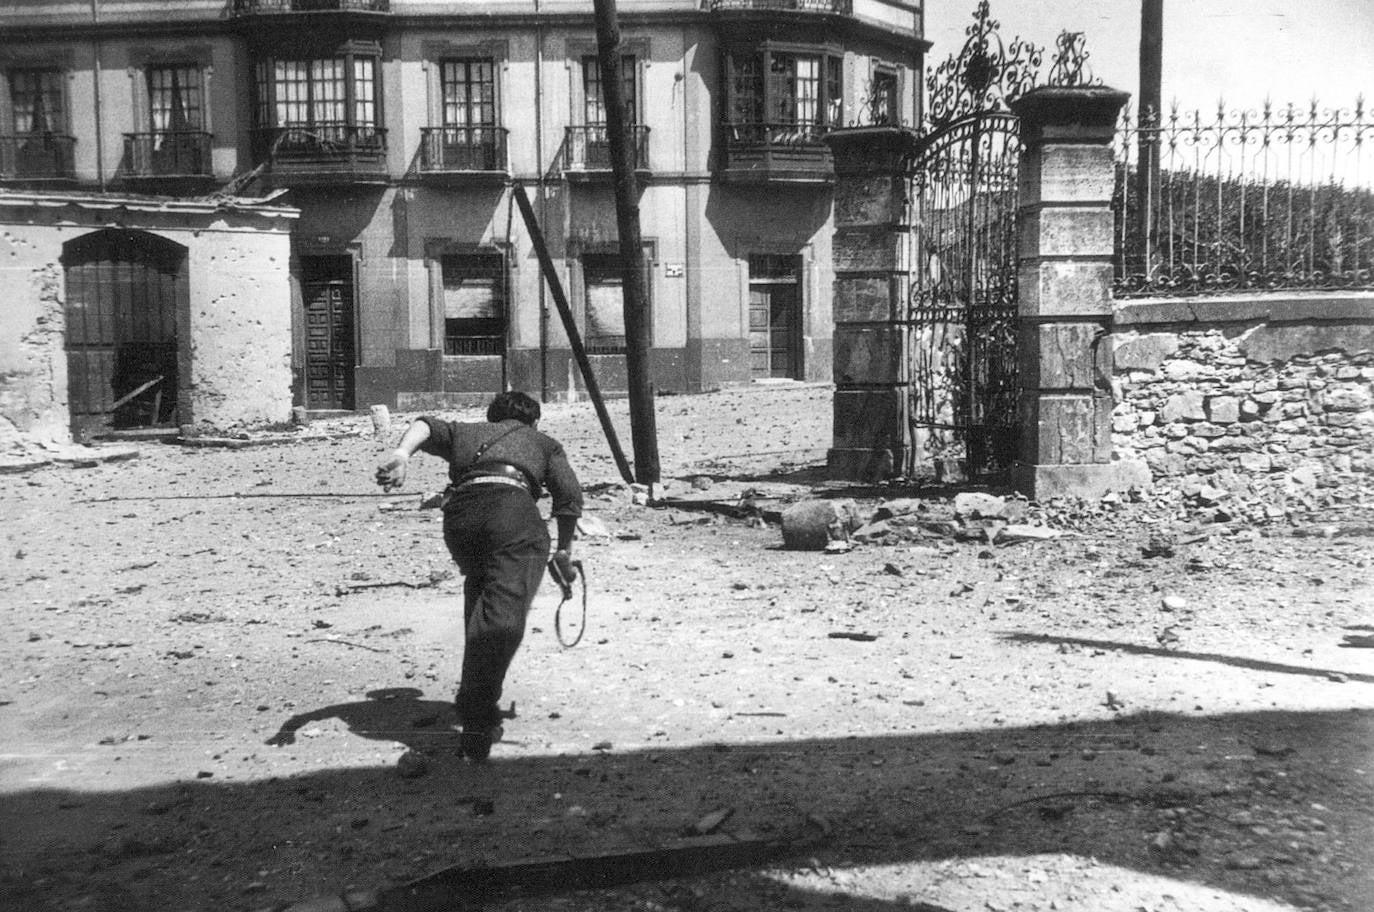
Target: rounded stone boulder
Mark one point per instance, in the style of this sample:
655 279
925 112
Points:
812 524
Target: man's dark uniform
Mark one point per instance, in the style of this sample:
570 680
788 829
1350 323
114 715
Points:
499 541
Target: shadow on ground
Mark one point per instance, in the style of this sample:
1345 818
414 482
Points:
1098 790
1164 652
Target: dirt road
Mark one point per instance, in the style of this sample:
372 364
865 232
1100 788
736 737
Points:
217 657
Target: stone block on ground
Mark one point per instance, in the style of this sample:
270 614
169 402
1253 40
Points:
812 524
978 504
902 506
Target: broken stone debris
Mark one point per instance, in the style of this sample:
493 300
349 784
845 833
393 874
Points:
381 422
589 526
709 823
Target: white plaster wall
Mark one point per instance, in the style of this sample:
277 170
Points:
239 327
33 366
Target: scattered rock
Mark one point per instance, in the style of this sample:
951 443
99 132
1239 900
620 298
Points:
412 765
1158 545
710 823
589 526
1019 532
977 505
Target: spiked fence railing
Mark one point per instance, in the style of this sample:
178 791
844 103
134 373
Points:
1280 198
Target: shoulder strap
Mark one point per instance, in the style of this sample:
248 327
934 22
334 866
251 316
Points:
477 456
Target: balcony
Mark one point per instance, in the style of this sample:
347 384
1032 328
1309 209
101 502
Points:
796 20
37 159
287 20
760 153
287 7
463 154
587 152
321 154
167 157
832 7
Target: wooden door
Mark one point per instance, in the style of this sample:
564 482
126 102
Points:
775 317
327 287
123 292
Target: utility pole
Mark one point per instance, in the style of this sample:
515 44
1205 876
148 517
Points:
1148 120
643 430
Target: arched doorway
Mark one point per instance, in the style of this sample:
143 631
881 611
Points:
124 290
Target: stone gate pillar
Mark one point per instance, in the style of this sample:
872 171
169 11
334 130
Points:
870 252
1065 311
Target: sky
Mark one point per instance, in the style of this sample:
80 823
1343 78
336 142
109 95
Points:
1241 50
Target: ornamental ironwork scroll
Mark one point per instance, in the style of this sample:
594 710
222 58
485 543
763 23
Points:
986 74
1069 68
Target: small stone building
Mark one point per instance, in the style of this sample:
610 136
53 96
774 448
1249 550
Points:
126 312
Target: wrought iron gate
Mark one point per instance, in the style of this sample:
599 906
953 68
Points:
962 311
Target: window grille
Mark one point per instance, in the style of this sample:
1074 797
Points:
474 299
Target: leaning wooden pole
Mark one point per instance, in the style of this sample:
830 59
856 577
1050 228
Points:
560 300
643 430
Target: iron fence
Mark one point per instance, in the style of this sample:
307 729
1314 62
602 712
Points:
1279 198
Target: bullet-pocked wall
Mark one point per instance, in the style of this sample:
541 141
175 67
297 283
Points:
201 309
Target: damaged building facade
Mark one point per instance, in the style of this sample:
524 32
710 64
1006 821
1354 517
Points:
132 312
398 129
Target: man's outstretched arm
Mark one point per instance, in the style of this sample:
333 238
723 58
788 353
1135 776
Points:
391 473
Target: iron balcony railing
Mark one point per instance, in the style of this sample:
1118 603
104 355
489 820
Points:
1258 200
776 152
167 153
445 149
37 156
840 7
589 148
259 7
776 134
338 147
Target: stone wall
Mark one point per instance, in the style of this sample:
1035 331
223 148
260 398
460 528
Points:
1261 386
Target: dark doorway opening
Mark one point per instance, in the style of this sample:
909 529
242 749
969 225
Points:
330 350
775 316
124 290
